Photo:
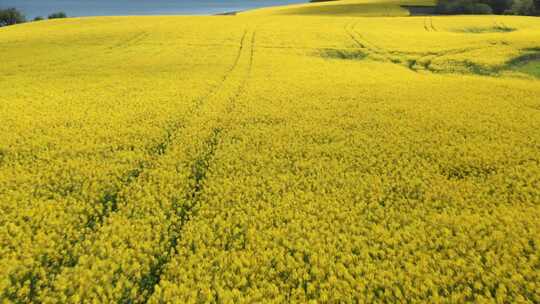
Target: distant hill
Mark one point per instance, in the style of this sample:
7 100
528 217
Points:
372 8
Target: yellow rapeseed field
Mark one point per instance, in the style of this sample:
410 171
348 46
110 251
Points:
279 155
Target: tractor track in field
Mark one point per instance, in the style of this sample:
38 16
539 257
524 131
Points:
363 44
162 146
247 76
110 200
421 61
200 168
428 25
130 41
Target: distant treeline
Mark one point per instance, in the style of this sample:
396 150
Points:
10 16
506 7
501 7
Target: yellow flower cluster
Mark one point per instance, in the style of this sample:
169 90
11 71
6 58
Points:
268 158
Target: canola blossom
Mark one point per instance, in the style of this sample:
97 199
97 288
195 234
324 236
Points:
280 155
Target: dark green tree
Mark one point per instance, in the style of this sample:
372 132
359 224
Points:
57 15
499 6
11 16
